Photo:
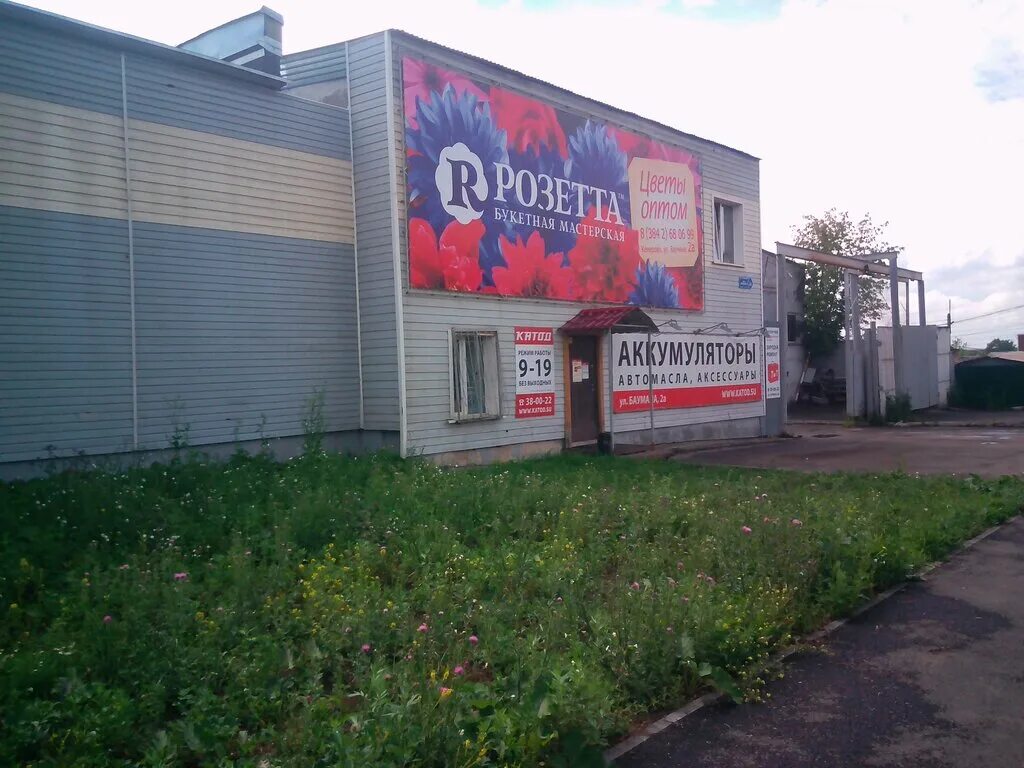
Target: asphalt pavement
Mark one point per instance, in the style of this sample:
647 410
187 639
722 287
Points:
933 676
986 451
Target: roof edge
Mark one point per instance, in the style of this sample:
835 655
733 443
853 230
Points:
408 35
65 24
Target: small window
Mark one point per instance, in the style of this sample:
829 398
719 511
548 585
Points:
728 232
793 330
475 392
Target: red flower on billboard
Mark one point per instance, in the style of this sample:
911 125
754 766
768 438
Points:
527 123
690 281
604 269
529 272
421 78
635 145
453 264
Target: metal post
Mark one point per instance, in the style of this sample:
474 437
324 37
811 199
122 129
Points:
907 291
855 374
922 318
611 397
131 250
897 334
783 319
874 407
650 386
849 351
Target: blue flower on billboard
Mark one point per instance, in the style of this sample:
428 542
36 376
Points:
596 159
543 160
655 287
449 119
488 166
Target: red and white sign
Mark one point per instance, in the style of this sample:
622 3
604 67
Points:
535 380
684 371
773 364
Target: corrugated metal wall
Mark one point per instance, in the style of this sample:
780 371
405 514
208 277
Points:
428 316
65 334
318 65
244 269
920 363
374 237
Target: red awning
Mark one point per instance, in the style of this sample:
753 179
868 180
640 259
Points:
600 319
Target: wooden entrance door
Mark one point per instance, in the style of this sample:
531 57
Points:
583 390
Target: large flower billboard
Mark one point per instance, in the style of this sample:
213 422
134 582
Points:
509 196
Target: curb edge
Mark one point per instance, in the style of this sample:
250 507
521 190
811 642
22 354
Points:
695 705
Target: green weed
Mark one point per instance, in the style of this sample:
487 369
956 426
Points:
368 611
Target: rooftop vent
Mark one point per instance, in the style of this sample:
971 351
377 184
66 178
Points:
252 41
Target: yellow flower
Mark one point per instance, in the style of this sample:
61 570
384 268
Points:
445 692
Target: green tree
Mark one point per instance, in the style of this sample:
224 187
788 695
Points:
835 232
1000 345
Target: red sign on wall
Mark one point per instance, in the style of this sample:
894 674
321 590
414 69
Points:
510 195
684 371
535 382
694 397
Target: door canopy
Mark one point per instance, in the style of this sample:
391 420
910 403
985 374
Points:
597 320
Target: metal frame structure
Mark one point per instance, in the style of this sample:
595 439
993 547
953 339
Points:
861 400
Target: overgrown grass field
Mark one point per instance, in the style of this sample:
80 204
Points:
363 612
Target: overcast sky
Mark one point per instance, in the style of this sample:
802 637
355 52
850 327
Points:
910 110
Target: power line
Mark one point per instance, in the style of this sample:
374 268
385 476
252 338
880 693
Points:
989 332
989 314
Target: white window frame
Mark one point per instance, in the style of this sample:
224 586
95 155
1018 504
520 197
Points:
491 358
739 247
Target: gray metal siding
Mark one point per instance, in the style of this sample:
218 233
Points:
236 332
429 315
316 66
239 318
174 95
61 69
65 355
374 246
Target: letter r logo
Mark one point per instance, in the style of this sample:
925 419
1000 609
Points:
460 183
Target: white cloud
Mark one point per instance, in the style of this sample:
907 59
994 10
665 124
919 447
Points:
876 106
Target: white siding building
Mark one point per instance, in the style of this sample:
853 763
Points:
234 243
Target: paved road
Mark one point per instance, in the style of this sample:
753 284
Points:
932 677
809 413
928 450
